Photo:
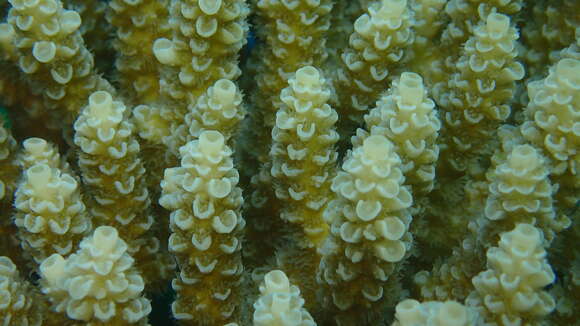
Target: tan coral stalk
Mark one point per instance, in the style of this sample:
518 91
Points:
206 227
303 152
553 124
219 108
303 165
294 32
204 46
378 46
369 229
407 117
520 192
294 35
138 24
52 54
554 115
114 177
207 36
480 91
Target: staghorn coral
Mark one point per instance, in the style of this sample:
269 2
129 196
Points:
366 162
303 152
519 192
206 226
294 33
114 176
407 117
220 109
51 50
303 156
206 38
477 97
553 124
369 220
138 22
378 45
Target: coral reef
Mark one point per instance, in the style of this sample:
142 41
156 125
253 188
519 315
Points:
289 162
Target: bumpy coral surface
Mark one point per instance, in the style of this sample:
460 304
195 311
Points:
50 214
280 303
98 284
434 313
206 226
510 290
289 162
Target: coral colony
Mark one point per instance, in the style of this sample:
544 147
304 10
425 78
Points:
290 162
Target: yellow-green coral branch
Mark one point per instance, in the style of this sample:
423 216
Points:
206 227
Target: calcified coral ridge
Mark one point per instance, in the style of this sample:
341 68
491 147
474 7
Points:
289 162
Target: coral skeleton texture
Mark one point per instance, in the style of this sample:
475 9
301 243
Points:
289 162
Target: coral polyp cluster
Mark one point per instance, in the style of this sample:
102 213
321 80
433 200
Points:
289 162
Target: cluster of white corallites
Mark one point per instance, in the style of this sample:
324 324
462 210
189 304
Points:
376 46
205 46
477 97
519 192
39 151
510 291
50 214
46 20
434 313
219 108
280 303
17 299
202 51
309 21
51 50
206 227
295 33
554 112
487 71
98 283
369 223
407 117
